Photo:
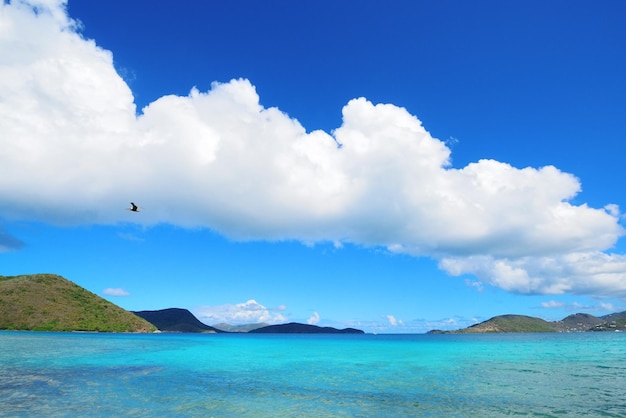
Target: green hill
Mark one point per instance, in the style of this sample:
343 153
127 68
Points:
47 302
615 316
175 320
578 322
510 323
612 322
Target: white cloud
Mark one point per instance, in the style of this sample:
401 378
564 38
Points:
69 127
577 306
249 312
115 291
313 319
393 321
585 273
416 326
605 306
475 283
552 304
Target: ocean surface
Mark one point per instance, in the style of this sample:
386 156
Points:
219 375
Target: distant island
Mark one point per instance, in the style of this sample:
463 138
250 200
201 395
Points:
181 320
296 328
175 320
48 302
520 323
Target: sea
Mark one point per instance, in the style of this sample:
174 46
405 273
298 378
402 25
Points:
296 375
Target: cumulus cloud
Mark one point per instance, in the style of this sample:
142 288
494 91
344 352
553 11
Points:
393 321
249 172
115 291
313 319
585 273
242 313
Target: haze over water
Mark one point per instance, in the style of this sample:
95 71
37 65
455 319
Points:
84 374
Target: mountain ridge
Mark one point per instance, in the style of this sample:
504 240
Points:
175 320
510 323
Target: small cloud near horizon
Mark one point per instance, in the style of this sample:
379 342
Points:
414 326
477 284
393 321
575 306
313 319
115 291
249 312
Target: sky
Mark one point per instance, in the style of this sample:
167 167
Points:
393 167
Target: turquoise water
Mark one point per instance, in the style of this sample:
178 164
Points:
182 375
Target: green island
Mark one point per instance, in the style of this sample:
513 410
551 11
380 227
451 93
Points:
48 302
578 322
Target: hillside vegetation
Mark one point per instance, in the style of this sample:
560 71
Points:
47 302
579 322
511 323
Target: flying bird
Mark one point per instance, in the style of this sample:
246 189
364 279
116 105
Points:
133 207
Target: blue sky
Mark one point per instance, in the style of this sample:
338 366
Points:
396 167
